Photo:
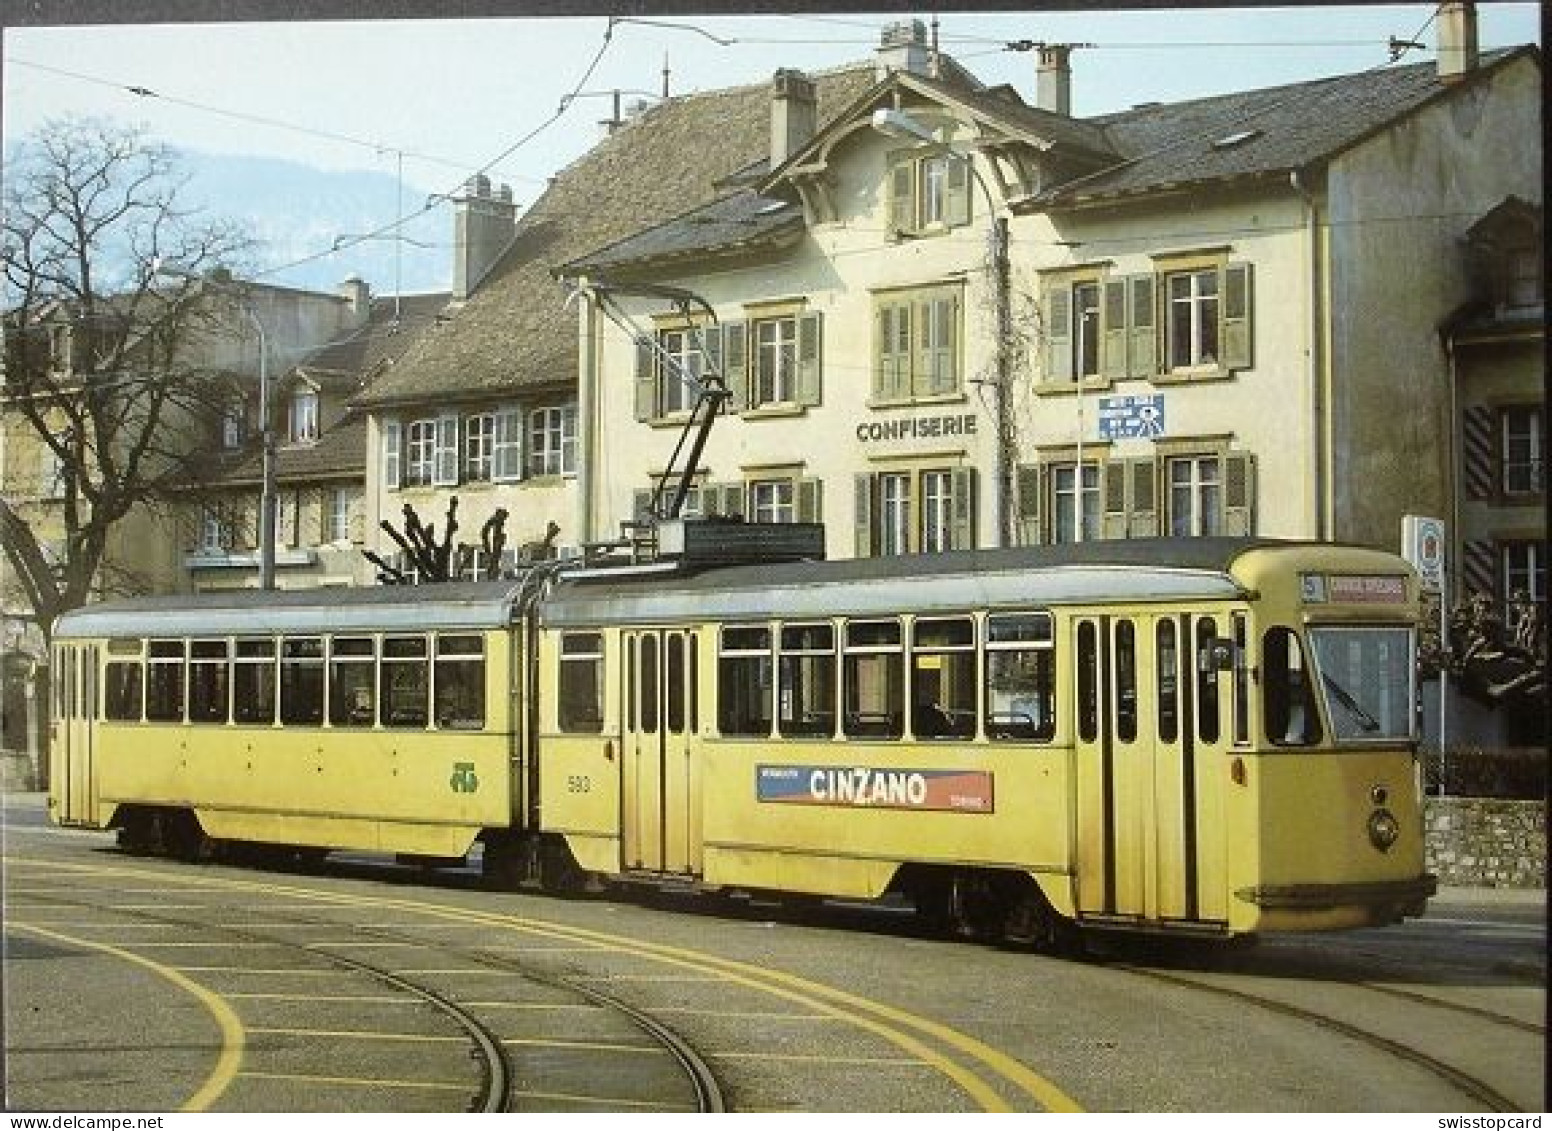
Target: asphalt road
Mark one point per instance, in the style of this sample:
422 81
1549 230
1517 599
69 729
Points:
136 984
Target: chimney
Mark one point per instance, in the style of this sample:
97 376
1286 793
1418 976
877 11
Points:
794 113
1457 41
1053 78
482 228
903 47
359 296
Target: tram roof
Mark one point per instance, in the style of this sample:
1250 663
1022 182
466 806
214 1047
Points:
1117 571
1145 570
237 612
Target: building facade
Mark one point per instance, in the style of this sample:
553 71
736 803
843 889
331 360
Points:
948 319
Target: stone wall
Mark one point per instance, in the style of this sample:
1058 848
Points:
1483 842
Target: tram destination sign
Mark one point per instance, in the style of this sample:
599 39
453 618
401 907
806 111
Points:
875 787
1132 417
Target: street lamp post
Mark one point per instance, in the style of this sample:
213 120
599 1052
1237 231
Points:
266 424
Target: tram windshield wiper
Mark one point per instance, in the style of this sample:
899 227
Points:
1367 721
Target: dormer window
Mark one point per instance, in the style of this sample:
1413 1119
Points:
233 426
928 192
1523 280
304 417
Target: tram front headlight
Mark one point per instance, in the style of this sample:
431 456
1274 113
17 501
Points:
1384 829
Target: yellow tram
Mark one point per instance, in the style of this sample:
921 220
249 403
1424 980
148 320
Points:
1213 736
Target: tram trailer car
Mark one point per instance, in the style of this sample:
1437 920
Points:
1210 736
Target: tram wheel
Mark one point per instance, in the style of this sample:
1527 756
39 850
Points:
184 839
559 872
138 835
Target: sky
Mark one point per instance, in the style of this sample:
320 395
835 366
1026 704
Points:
430 102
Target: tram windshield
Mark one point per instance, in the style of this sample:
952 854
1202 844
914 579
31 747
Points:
1365 676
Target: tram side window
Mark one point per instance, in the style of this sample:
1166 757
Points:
581 675
1166 651
208 681
1208 726
352 677
1287 696
1020 677
744 680
164 682
807 680
1126 681
122 701
460 682
1088 681
874 679
301 681
943 683
406 681
253 682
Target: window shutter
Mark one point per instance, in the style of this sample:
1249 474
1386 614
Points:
709 338
507 454
1234 333
641 504
1115 491
444 462
357 517
286 508
1478 451
862 523
892 368
735 359
810 494
1239 493
902 198
934 370
731 502
1058 334
1142 327
956 205
1113 331
1143 505
1029 500
963 483
393 448
646 378
810 350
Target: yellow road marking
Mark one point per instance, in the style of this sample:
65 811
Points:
838 1003
360 1035
356 1081
232 1039
590 1046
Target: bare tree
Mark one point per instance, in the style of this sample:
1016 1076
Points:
99 350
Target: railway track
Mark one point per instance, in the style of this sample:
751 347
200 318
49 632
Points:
1480 1066
470 980
679 1080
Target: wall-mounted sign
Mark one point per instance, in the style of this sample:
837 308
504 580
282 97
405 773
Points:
1131 418
917 428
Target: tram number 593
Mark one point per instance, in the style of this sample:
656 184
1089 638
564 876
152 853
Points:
579 783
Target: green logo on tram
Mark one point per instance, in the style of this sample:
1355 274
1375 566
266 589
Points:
464 779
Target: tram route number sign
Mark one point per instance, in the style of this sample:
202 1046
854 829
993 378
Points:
1131 418
876 787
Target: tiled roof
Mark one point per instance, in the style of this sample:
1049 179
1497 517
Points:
737 221
1253 133
338 453
392 324
515 331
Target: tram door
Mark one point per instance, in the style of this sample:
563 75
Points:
72 773
1150 731
659 789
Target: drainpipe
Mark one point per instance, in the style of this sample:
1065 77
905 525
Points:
1314 363
587 400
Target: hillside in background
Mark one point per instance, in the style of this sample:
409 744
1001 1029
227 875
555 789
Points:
297 212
